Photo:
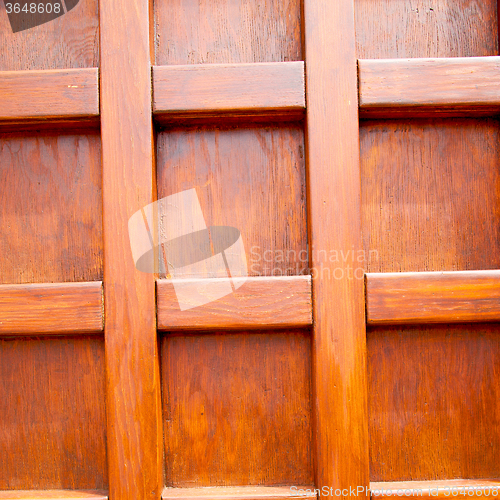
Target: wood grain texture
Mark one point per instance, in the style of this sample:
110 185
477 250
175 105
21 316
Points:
227 31
334 223
52 495
425 28
430 192
416 86
435 489
440 297
433 402
51 308
51 207
237 408
277 302
234 492
251 178
53 432
45 95
70 41
228 88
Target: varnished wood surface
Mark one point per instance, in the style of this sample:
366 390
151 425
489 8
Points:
235 492
439 297
334 223
227 31
425 28
31 95
228 88
51 207
237 408
133 401
52 409
52 495
51 308
410 86
433 393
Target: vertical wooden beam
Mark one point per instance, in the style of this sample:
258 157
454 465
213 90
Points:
132 362
334 208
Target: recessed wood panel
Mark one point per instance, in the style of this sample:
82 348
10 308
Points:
433 402
237 409
425 28
52 409
431 195
70 41
51 208
227 31
252 179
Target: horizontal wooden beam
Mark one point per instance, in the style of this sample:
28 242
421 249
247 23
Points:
49 95
52 495
238 493
228 89
453 488
51 308
272 302
438 297
450 86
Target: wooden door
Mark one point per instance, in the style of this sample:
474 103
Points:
352 147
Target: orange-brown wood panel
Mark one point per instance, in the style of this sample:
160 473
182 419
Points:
431 194
52 409
250 178
425 28
237 408
53 495
50 198
433 402
227 31
70 41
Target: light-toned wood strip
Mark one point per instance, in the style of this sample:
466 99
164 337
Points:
261 302
462 85
48 95
51 308
183 91
437 297
53 495
458 488
239 493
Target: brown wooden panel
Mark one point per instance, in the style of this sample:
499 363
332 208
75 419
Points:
70 41
53 432
413 298
433 402
228 88
52 495
431 195
235 492
51 308
411 86
425 28
250 178
28 95
237 408
227 31
259 303
50 198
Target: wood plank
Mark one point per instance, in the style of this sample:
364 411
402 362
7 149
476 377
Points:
238 493
51 308
262 302
334 223
52 495
435 489
48 95
133 403
453 86
242 89
435 297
